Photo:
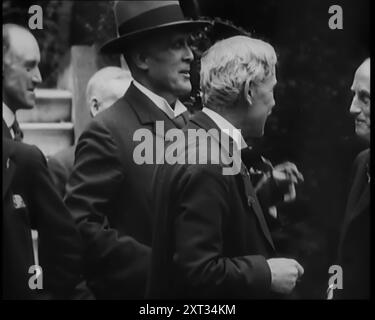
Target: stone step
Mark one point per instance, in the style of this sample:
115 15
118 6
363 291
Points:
48 137
52 105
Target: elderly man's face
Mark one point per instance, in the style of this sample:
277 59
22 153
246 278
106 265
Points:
262 102
168 60
21 73
360 107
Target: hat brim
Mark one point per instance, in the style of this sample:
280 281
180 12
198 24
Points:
225 30
118 45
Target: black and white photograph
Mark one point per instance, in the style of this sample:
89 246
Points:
167 151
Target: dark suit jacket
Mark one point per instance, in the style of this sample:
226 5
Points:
26 176
209 240
354 247
108 194
61 166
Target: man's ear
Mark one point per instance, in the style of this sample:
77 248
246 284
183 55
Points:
94 106
247 92
140 60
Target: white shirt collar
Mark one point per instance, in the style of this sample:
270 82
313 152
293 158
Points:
8 115
161 103
225 126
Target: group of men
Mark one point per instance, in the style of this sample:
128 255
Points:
119 228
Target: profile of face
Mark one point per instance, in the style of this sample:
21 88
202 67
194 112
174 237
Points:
167 64
261 102
361 104
21 73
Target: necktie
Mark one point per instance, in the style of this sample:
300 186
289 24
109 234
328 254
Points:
181 120
253 202
251 197
18 134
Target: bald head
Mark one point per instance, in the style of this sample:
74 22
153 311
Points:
105 87
363 73
361 104
17 40
21 57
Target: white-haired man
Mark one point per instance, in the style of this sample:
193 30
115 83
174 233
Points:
211 239
104 88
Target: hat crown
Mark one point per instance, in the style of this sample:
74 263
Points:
137 18
127 10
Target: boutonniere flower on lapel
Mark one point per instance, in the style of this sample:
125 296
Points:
18 202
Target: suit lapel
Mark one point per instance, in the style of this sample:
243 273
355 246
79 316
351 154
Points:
359 195
6 131
355 211
147 112
253 202
8 166
205 122
363 202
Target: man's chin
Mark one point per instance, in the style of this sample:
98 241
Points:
364 136
29 104
184 91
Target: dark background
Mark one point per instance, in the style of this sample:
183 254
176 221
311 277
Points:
310 124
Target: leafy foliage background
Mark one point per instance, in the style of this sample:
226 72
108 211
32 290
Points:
65 23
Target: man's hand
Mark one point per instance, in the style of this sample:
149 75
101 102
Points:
279 184
286 176
285 273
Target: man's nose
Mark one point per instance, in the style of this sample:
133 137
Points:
188 54
273 103
37 77
354 108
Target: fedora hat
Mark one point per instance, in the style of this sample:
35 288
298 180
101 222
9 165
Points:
136 18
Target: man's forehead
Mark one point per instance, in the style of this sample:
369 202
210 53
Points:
364 70
23 44
362 78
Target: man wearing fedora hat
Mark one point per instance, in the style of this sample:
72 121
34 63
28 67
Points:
108 193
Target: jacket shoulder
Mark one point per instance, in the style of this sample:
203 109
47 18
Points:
363 156
120 110
26 155
114 121
64 158
362 159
